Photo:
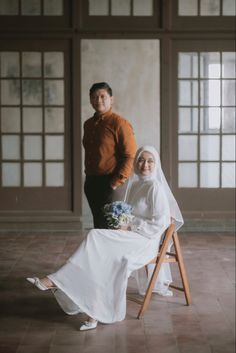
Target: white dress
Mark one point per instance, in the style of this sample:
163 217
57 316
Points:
94 279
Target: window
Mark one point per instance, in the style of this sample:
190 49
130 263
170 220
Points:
206 7
32 118
121 14
31 7
204 15
35 14
206 119
121 8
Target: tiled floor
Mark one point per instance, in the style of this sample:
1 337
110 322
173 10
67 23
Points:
32 322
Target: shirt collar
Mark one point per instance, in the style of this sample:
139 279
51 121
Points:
102 116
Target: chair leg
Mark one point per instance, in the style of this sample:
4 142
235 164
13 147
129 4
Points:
156 270
182 270
148 294
159 261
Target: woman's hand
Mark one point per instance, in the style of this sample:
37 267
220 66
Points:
125 227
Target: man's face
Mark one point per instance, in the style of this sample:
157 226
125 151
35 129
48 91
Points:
101 101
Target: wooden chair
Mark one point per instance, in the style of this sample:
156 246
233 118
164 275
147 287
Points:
162 257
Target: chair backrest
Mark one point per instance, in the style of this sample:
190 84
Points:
166 241
169 233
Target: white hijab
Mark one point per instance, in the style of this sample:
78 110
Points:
158 175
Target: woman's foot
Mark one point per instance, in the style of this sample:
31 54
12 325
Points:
47 283
42 284
90 324
165 293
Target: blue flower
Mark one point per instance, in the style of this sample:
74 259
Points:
117 213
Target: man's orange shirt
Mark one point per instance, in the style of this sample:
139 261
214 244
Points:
110 146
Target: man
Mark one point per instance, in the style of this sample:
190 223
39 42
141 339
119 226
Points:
110 148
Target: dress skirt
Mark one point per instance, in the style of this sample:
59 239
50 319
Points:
95 278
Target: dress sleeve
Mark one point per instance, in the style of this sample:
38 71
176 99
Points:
159 216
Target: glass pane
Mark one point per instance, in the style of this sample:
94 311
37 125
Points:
188 65
54 119
210 7
187 175
228 119
210 65
53 64
210 148
188 120
229 8
9 7
228 175
10 174
30 7
229 92
98 8
54 148
209 175
32 147
120 7
210 120
188 92
143 8
228 148
54 92
32 120
188 8
10 121
32 92
33 174
10 64
228 65
31 64
54 174
53 7
210 92
188 148
10 93
10 147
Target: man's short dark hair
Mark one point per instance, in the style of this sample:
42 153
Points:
100 85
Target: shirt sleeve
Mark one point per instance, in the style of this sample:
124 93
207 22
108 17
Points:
160 216
125 155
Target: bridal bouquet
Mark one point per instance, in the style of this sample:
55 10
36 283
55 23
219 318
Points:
117 213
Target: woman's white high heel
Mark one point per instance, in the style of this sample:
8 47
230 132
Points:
88 325
37 283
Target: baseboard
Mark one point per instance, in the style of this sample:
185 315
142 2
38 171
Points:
190 225
209 225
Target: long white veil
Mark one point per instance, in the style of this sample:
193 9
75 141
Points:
164 277
158 174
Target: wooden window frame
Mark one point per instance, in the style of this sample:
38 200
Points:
125 23
200 23
44 198
194 202
22 22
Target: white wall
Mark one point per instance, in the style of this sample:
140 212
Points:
132 69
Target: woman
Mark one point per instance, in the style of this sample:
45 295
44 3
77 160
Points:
94 279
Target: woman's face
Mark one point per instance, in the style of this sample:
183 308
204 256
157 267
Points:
146 164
